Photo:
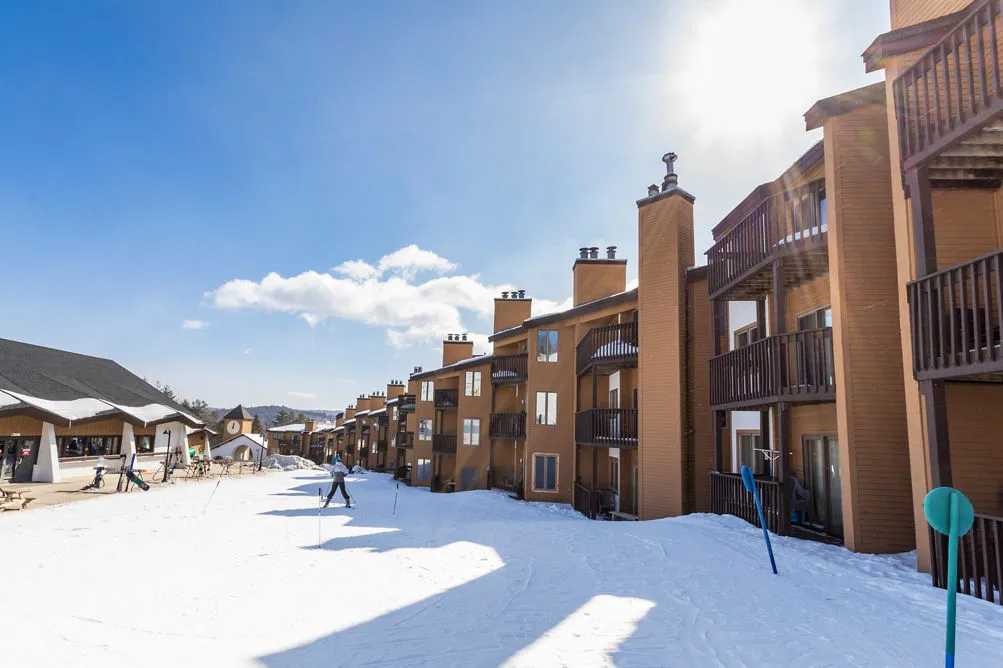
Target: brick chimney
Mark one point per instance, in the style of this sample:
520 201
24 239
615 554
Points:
310 425
377 401
665 252
350 412
456 348
595 277
362 403
395 388
511 309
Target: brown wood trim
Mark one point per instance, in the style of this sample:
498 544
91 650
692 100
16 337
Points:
910 38
582 309
843 103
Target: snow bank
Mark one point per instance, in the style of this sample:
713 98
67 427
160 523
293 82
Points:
288 463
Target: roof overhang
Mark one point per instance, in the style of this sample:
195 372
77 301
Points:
917 37
837 105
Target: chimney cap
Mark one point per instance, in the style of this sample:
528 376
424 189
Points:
652 190
611 252
671 179
583 252
505 295
464 336
522 294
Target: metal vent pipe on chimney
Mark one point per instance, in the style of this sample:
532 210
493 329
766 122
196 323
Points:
522 294
583 253
611 252
594 252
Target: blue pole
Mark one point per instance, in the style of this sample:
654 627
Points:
750 484
952 580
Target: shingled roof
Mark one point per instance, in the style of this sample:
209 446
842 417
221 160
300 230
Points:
67 387
238 413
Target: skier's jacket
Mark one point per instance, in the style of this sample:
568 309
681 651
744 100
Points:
338 472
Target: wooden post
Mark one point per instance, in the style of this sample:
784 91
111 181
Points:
717 418
764 433
934 392
760 318
784 466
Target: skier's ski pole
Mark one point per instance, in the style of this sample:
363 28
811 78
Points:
210 497
395 498
320 499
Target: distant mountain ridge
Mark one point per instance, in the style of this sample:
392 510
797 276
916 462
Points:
267 413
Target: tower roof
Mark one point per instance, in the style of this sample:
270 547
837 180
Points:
238 413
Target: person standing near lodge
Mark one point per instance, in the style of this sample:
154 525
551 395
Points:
338 474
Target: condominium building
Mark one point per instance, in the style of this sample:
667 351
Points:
942 63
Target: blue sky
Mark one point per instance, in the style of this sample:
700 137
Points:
154 153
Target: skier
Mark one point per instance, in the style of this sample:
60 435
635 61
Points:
338 475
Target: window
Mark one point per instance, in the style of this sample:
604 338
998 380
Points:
471 431
424 469
396 414
546 408
815 365
144 444
472 388
468 478
746 336
545 473
815 319
424 430
393 439
89 446
546 345
427 390
751 454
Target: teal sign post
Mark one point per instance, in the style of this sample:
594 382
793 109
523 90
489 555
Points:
950 512
750 484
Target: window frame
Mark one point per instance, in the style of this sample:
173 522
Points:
547 408
764 465
421 423
749 333
547 353
427 390
557 472
111 445
472 384
469 422
423 465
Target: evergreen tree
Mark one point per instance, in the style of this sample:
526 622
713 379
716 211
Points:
256 426
283 417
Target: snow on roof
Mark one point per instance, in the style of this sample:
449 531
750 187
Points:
71 409
615 349
299 426
8 400
154 413
349 421
359 414
340 428
255 438
379 411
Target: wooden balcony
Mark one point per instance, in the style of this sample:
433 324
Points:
607 427
446 400
957 317
796 367
444 444
728 496
788 226
381 445
608 349
405 440
509 369
508 426
980 559
948 103
406 403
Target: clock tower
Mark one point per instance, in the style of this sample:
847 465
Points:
236 422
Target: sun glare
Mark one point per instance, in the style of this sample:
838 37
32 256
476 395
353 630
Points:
745 68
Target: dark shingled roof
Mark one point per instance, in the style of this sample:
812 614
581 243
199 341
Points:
238 413
58 375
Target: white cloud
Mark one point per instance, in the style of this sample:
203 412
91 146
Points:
194 324
248 351
301 395
382 295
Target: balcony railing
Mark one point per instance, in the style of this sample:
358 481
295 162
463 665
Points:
405 440
957 318
728 496
953 88
784 224
444 444
508 425
607 427
446 400
792 367
509 369
406 403
613 346
381 445
980 559
586 501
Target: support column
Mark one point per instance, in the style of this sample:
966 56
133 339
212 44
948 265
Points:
128 442
46 467
934 393
784 465
717 419
761 329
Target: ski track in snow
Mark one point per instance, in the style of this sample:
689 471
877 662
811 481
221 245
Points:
469 579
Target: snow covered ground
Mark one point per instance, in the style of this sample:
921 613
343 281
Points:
471 579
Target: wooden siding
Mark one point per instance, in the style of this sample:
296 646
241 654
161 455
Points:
700 424
965 226
873 438
595 279
665 244
811 420
474 408
28 426
910 12
511 312
976 452
807 297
